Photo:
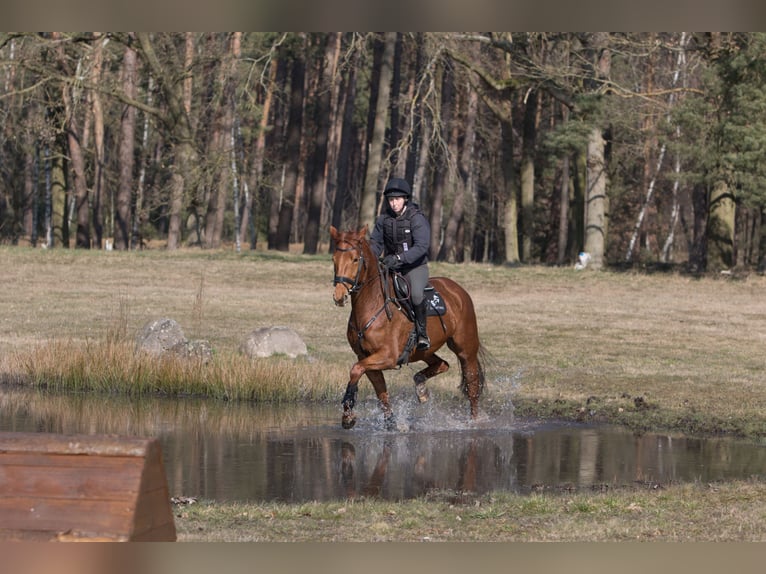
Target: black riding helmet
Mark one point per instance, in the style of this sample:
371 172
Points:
397 187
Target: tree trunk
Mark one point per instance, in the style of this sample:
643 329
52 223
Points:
73 144
720 227
30 193
282 83
698 255
97 196
345 149
510 209
293 152
48 209
419 138
256 169
442 172
220 146
323 112
58 226
561 251
136 238
78 176
126 154
595 199
394 135
452 247
367 210
596 204
529 138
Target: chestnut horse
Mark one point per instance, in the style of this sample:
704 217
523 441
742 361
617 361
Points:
379 328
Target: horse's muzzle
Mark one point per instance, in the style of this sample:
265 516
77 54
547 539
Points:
340 302
340 296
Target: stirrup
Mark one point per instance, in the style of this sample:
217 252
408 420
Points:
423 343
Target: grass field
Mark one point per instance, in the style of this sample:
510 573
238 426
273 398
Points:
647 350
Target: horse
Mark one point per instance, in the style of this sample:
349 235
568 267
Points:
380 332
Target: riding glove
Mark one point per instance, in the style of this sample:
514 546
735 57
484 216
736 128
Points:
391 261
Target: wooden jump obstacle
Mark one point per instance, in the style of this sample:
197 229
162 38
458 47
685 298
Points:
83 488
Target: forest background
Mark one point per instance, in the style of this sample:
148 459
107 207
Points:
637 148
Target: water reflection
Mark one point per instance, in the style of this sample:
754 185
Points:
225 451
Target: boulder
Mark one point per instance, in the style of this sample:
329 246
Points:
161 336
165 336
268 341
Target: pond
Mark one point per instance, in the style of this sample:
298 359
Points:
294 453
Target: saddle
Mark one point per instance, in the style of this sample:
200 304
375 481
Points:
435 307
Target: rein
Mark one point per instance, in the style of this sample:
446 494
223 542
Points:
355 286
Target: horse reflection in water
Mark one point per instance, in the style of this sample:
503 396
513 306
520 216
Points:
470 461
379 329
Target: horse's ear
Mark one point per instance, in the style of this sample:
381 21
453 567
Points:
333 232
363 231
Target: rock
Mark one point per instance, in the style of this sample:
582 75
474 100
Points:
161 336
268 341
165 336
199 349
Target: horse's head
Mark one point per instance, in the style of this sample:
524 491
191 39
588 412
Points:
349 261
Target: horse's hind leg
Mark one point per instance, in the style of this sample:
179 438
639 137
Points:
436 366
471 374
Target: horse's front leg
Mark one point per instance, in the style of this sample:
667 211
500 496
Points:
349 400
379 384
372 368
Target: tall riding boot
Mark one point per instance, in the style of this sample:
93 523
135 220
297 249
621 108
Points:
420 327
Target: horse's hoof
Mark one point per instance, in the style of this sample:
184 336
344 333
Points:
389 423
348 422
422 392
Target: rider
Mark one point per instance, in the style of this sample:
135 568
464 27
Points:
402 235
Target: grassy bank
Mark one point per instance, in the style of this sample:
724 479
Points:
675 514
650 351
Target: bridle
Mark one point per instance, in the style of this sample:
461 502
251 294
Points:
355 285
351 285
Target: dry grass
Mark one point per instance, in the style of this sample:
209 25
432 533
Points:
646 350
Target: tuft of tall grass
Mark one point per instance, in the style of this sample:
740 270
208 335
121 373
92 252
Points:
116 367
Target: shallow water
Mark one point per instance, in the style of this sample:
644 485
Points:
241 452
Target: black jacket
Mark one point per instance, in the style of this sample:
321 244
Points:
408 236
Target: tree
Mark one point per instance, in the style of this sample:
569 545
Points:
180 134
453 247
596 200
322 114
382 91
122 215
279 238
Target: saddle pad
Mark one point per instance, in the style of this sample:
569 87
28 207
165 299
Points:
436 305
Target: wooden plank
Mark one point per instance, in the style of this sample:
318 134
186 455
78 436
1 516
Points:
36 513
117 479
99 445
153 517
70 487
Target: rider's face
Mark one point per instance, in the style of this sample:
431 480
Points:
396 204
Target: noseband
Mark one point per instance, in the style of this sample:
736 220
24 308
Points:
352 285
